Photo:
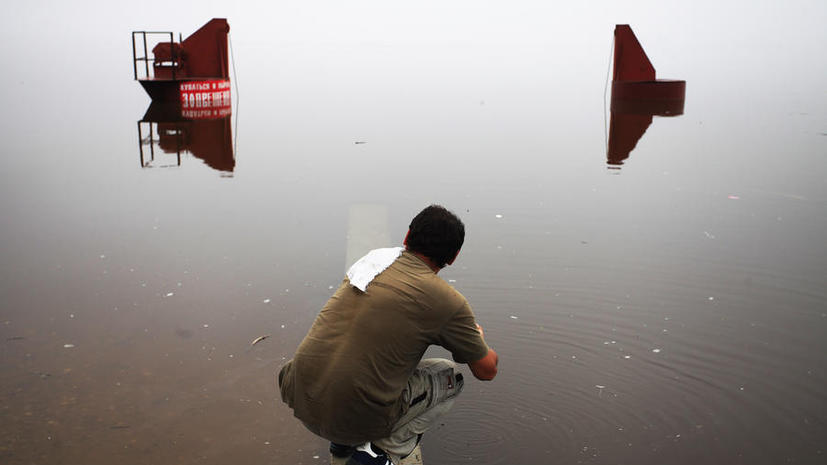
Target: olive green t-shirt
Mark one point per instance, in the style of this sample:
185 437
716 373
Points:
346 380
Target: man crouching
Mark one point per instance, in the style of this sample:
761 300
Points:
358 378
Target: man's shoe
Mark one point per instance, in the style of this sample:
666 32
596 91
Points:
368 454
340 450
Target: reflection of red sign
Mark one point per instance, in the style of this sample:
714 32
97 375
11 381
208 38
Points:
205 99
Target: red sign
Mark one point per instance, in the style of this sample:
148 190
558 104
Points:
205 99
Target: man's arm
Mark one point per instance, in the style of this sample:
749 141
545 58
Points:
485 369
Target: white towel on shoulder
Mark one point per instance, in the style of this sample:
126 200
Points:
368 267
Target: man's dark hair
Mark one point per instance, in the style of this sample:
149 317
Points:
436 233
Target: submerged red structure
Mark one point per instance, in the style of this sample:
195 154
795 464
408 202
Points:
193 71
637 95
189 84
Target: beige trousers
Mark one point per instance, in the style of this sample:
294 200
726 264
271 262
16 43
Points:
430 393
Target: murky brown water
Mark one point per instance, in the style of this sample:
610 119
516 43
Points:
673 311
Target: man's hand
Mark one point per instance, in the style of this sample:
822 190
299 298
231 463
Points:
485 369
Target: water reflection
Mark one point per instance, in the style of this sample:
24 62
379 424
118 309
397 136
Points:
629 121
168 128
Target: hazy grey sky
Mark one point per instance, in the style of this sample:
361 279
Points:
761 44
794 28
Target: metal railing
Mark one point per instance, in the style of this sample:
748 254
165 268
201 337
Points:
146 59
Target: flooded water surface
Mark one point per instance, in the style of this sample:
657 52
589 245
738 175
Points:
667 308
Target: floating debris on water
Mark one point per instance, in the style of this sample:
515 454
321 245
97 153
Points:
259 339
514 317
708 235
498 215
733 197
266 301
170 294
68 346
657 351
627 357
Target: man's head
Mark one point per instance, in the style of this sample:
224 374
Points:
436 233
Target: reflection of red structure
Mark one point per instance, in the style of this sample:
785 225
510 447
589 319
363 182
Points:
637 95
625 129
209 139
177 66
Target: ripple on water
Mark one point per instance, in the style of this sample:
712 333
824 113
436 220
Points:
585 366
474 436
